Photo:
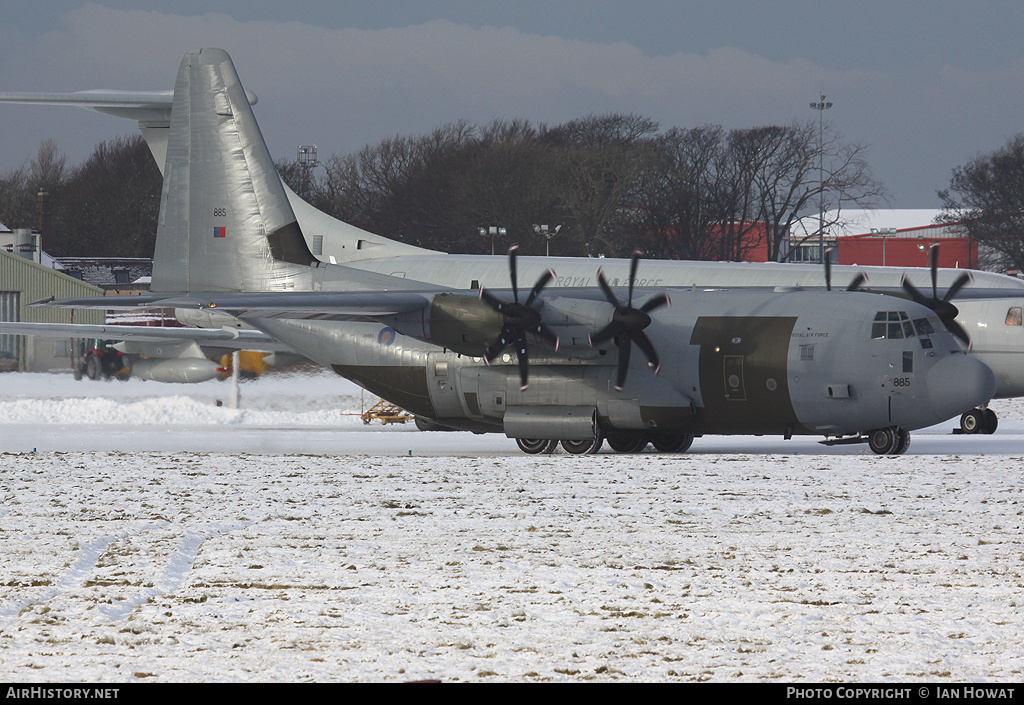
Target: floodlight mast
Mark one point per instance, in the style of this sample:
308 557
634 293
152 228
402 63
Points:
821 106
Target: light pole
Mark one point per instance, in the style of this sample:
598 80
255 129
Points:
883 233
307 161
492 231
548 234
821 106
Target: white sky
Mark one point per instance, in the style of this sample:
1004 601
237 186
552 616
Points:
927 86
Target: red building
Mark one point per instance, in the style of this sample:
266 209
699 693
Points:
895 238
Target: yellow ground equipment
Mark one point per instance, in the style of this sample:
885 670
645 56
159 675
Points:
251 364
386 413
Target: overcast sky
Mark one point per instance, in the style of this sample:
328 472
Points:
926 86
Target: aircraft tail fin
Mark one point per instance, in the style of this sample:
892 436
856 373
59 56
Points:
225 220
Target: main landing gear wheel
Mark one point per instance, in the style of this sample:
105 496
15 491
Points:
591 445
902 442
672 442
536 446
889 441
979 421
627 442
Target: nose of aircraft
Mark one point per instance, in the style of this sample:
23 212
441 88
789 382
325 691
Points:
957 384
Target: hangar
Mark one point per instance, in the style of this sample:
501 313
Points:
23 281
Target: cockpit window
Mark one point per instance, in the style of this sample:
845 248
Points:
894 325
923 326
1014 317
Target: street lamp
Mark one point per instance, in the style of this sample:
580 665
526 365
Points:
821 106
548 234
492 231
883 233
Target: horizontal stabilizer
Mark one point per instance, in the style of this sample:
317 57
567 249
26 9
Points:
147 107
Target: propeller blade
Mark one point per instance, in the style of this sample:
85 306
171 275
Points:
524 363
655 302
607 333
608 293
539 286
828 270
548 335
933 257
512 271
504 338
958 330
859 279
620 375
913 291
957 285
633 264
645 345
491 299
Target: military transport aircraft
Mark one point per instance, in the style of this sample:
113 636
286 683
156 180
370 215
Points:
552 365
986 318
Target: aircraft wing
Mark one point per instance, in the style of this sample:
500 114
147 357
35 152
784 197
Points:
323 305
219 337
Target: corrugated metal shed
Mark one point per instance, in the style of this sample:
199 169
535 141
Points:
21 283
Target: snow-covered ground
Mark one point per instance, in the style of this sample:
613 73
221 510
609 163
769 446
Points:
155 536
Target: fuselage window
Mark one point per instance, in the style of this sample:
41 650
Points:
908 361
1014 316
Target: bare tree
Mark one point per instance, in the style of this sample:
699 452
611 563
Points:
986 197
599 161
109 204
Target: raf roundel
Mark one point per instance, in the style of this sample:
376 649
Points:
386 336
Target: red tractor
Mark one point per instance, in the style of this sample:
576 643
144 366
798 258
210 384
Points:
102 362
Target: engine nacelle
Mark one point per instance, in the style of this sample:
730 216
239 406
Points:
178 370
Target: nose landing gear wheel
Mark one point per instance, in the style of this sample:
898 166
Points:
979 421
535 446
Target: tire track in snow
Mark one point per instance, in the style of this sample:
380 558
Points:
76 574
174 574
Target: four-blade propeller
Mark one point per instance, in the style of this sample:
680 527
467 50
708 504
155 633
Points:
943 307
628 323
854 284
519 319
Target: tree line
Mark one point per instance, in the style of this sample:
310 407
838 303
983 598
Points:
613 183
610 183
106 206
